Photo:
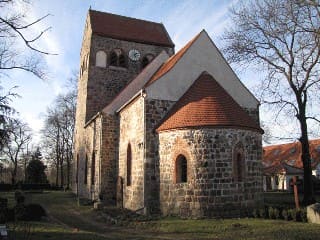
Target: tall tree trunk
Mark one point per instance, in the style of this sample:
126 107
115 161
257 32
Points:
308 193
68 168
61 170
14 173
57 174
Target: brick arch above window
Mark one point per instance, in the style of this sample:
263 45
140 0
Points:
181 149
238 163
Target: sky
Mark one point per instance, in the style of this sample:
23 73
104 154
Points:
183 19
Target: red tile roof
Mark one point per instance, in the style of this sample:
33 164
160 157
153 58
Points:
171 62
207 104
281 169
290 153
131 29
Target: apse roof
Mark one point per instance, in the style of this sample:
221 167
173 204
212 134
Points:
208 104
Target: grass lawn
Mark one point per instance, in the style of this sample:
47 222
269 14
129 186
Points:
67 220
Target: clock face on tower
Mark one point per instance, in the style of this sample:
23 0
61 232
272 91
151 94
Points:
134 55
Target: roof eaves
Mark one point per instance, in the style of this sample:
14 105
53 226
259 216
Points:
208 126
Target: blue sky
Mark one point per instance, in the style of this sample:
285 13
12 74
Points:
182 19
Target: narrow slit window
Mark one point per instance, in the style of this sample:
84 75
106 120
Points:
238 163
129 165
86 170
122 60
93 168
113 59
181 169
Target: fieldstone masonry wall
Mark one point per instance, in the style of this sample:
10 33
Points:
155 111
86 146
109 158
132 132
211 190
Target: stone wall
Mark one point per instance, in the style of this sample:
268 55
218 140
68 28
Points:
211 190
155 111
132 132
91 142
79 134
109 158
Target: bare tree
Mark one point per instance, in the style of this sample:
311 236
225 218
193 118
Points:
58 133
282 37
19 136
19 49
19 39
5 112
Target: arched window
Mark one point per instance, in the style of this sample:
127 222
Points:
181 169
86 170
122 61
113 59
101 59
118 58
93 168
238 163
146 60
129 165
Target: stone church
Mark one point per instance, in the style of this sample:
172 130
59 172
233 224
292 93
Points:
159 131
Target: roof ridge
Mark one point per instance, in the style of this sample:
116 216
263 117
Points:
118 15
129 29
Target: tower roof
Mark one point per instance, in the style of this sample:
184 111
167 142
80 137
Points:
131 29
207 104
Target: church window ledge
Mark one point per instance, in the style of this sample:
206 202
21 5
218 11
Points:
117 68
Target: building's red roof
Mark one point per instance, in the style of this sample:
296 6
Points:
282 168
290 153
171 62
130 29
207 104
